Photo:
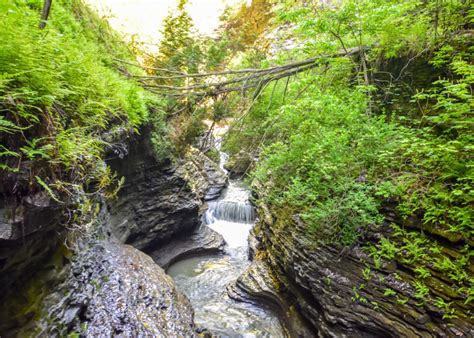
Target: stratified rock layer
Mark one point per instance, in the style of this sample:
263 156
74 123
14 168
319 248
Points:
203 240
108 289
337 294
160 200
28 234
155 202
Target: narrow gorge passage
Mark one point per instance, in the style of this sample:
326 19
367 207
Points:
204 279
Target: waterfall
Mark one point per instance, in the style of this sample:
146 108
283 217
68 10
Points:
231 211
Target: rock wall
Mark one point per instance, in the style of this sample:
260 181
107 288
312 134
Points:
155 202
103 287
114 289
28 233
329 290
160 200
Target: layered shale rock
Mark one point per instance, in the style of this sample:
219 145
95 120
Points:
201 240
205 177
155 202
339 293
161 200
28 234
108 288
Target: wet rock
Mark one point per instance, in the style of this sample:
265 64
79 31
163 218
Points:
160 199
329 289
217 180
258 285
204 175
109 289
156 201
113 289
29 233
203 240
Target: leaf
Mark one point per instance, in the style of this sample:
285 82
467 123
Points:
48 189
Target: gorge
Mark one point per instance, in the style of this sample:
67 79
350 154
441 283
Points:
305 172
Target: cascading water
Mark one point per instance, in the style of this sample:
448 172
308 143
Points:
204 279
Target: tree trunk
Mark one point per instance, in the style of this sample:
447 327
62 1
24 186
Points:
45 14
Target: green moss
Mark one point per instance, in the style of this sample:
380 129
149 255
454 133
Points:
25 306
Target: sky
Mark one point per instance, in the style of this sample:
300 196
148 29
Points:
144 17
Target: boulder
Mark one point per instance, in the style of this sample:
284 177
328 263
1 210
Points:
113 289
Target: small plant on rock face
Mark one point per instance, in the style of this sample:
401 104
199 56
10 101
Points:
387 248
422 272
402 300
470 293
414 249
441 303
357 296
389 292
375 305
32 150
422 290
366 273
448 311
377 262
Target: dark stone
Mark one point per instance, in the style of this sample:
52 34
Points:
155 203
327 288
216 178
257 285
111 288
205 176
114 289
29 233
203 240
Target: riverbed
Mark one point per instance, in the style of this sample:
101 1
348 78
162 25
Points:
204 279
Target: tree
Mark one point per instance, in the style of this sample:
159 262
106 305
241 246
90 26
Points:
179 50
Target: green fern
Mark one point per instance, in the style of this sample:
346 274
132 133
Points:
48 189
33 151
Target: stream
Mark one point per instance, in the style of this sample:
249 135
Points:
204 279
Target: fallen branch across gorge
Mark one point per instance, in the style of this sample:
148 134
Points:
214 84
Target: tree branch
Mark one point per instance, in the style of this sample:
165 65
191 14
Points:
250 78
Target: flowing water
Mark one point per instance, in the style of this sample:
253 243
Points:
204 279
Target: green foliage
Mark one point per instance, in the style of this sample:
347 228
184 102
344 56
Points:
32 151
61 93
331 154
421 290
397 27
323 144
47 189
179 49
389 292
